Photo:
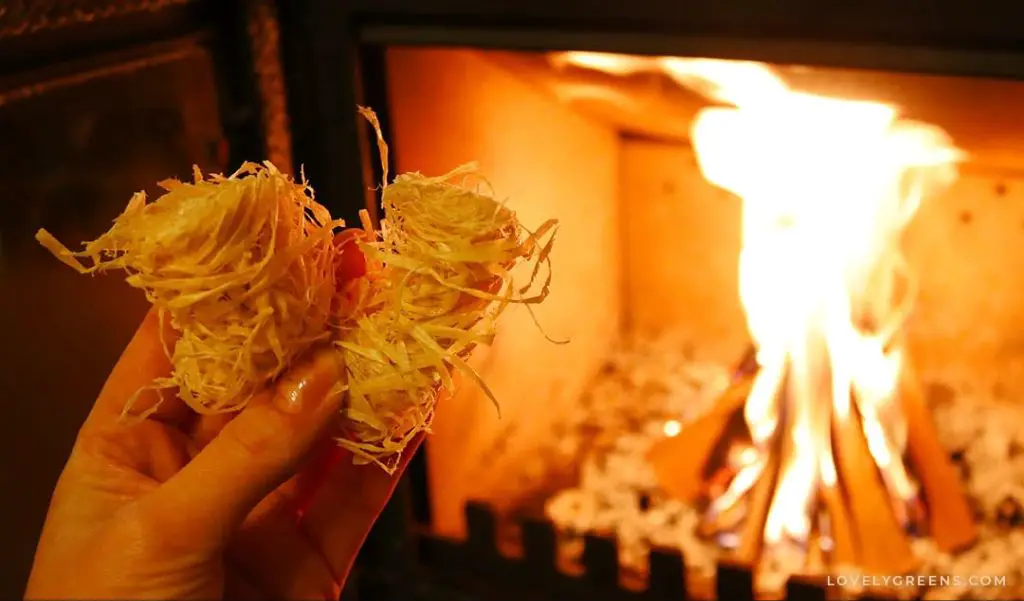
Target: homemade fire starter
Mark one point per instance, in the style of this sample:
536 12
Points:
245 269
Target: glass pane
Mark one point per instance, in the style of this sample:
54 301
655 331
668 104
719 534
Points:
70 159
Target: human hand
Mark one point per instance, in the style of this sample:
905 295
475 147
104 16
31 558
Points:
258 505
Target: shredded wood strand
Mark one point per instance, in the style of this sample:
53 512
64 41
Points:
447 251
244 268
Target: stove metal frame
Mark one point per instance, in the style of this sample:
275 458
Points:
334 56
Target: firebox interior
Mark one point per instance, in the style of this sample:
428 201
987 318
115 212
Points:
649 248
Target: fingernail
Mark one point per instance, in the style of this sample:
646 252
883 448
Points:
314 383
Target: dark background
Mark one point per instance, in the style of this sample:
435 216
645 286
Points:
95 104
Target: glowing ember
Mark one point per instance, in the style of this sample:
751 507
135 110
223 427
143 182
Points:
672 428
828 186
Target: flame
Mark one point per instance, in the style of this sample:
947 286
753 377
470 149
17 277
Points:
828 186
606 62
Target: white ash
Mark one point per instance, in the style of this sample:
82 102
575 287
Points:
649 381
645 384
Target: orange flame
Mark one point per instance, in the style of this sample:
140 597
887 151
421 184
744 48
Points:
828 186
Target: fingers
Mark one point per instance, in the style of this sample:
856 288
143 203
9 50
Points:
315 473
205 429
350 262
143 360
239 587
350 267
149 448
346 500
345 507
253 454
276 555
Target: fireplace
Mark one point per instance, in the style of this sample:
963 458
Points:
617 468
566 496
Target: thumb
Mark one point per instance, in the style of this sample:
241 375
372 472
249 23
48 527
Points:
252 455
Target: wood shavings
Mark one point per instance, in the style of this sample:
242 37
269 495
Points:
446 252
241 265
246 268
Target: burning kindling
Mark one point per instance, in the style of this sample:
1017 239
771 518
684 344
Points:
826 445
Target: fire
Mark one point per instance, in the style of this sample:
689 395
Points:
828 186
607 62
672 427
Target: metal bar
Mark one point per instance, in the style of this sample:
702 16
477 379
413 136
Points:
907 58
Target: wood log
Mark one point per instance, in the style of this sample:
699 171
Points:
759 501
679 462
747 366
863 527
843 550
719 482
882 547
728 520
817 560
950 520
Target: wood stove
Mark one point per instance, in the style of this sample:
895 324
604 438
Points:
493 509
607 153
